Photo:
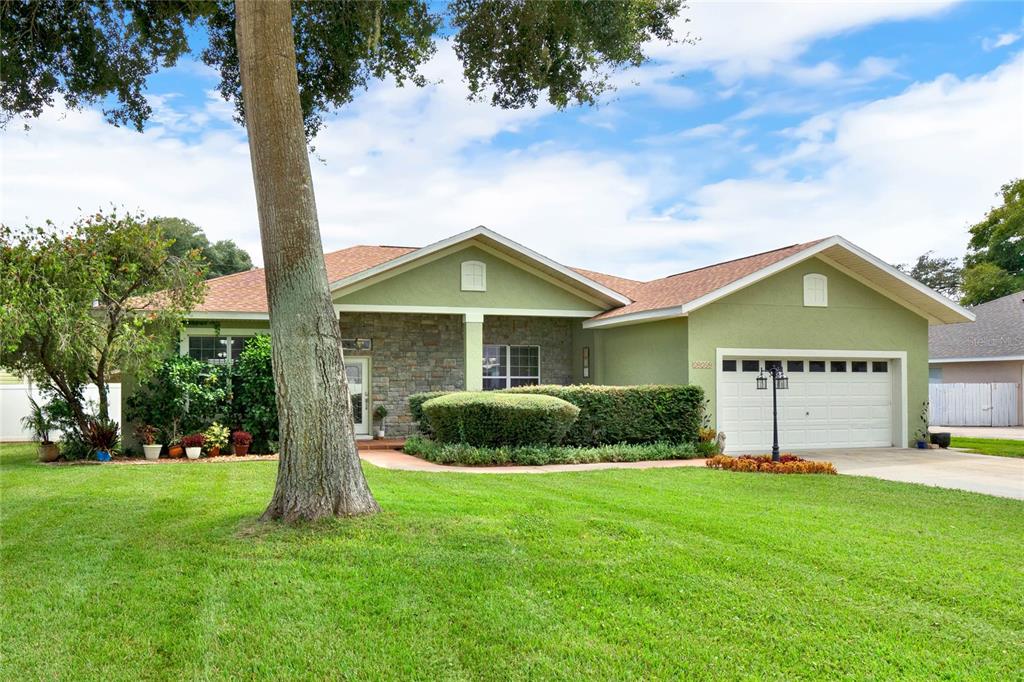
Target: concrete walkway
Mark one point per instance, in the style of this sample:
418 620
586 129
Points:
1007 432
393 459
1000 476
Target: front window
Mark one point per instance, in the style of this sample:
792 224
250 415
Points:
509 366
216 350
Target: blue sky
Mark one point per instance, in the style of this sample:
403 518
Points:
892 124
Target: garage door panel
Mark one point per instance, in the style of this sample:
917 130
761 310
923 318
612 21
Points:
820 409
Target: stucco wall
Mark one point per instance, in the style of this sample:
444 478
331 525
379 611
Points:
439 283
411 354
650 353
771 314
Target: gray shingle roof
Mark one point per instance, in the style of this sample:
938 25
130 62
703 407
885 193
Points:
998 332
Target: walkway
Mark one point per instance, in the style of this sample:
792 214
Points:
393 459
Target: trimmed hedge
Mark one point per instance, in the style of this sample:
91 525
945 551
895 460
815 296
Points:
416 401
493 419
628 414
537 455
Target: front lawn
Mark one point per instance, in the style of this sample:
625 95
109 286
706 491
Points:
129 572
990 446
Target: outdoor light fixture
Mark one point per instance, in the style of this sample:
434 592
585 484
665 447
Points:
780 382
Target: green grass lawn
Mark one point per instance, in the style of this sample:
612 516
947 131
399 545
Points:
128 572
990 446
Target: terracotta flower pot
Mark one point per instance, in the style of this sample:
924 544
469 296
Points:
241 450
48 452
175 451
214 451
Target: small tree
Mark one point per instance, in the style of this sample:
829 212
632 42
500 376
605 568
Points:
82 304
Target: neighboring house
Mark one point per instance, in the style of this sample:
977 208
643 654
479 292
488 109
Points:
479 311
988 351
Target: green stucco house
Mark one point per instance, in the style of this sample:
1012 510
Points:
479 311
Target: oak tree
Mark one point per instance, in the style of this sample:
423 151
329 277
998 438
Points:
283 65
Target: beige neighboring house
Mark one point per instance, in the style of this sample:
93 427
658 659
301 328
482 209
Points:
988 351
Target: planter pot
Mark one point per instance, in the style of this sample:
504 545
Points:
152 451
380 434
921 445
941 439
241 450
102 456
175 451
48 452
214 451
193 453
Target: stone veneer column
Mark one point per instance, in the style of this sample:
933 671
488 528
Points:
474 351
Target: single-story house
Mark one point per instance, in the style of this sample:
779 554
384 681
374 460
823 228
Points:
480 311
988 351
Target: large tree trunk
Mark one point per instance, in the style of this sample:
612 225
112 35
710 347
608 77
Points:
319 472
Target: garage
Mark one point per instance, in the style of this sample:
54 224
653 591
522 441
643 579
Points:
831 402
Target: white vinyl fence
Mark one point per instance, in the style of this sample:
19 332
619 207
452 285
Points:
14 405
973 404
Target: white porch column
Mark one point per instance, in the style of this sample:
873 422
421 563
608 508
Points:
474 351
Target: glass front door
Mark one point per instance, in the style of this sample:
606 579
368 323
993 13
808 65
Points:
357 370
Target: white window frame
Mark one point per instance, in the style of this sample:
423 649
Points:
508 376
184 350
474 275
813 296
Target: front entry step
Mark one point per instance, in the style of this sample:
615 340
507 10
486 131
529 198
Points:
382 444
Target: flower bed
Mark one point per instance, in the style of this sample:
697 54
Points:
787 464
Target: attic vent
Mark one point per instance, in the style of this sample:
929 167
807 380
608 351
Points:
816 291
474 276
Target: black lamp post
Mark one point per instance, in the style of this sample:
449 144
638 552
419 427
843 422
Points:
779 382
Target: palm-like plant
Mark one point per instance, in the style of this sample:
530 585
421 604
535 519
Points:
39 422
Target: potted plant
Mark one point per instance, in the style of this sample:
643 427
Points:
175 449
379 413
217 437
101 435
242 441
40 423
147 434
193 444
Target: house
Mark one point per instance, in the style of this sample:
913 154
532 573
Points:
989 351
479 311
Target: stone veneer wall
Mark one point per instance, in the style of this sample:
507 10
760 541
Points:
411 353
552 334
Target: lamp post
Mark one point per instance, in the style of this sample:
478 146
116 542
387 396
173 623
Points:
779 382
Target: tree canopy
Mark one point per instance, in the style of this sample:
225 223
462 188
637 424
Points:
223 257
79 304
994 264
939 273
103 51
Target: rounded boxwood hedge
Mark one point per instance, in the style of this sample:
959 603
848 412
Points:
492 419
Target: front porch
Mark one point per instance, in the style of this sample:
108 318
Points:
394 355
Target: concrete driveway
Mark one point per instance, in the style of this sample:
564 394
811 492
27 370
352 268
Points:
1000 476
1007 432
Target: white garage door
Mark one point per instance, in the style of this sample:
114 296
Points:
830 403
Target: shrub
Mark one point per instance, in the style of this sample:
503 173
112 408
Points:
255 400
416 401
494 419
216 436
241 438
787 464
101 434
183 395
629 414
536 455
147 434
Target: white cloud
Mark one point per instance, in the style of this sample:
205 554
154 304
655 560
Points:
900 175
1001 40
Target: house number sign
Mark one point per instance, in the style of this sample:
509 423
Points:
701 364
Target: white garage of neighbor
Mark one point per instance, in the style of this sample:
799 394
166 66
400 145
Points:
835 399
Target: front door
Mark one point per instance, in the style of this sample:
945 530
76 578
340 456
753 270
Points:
357 371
